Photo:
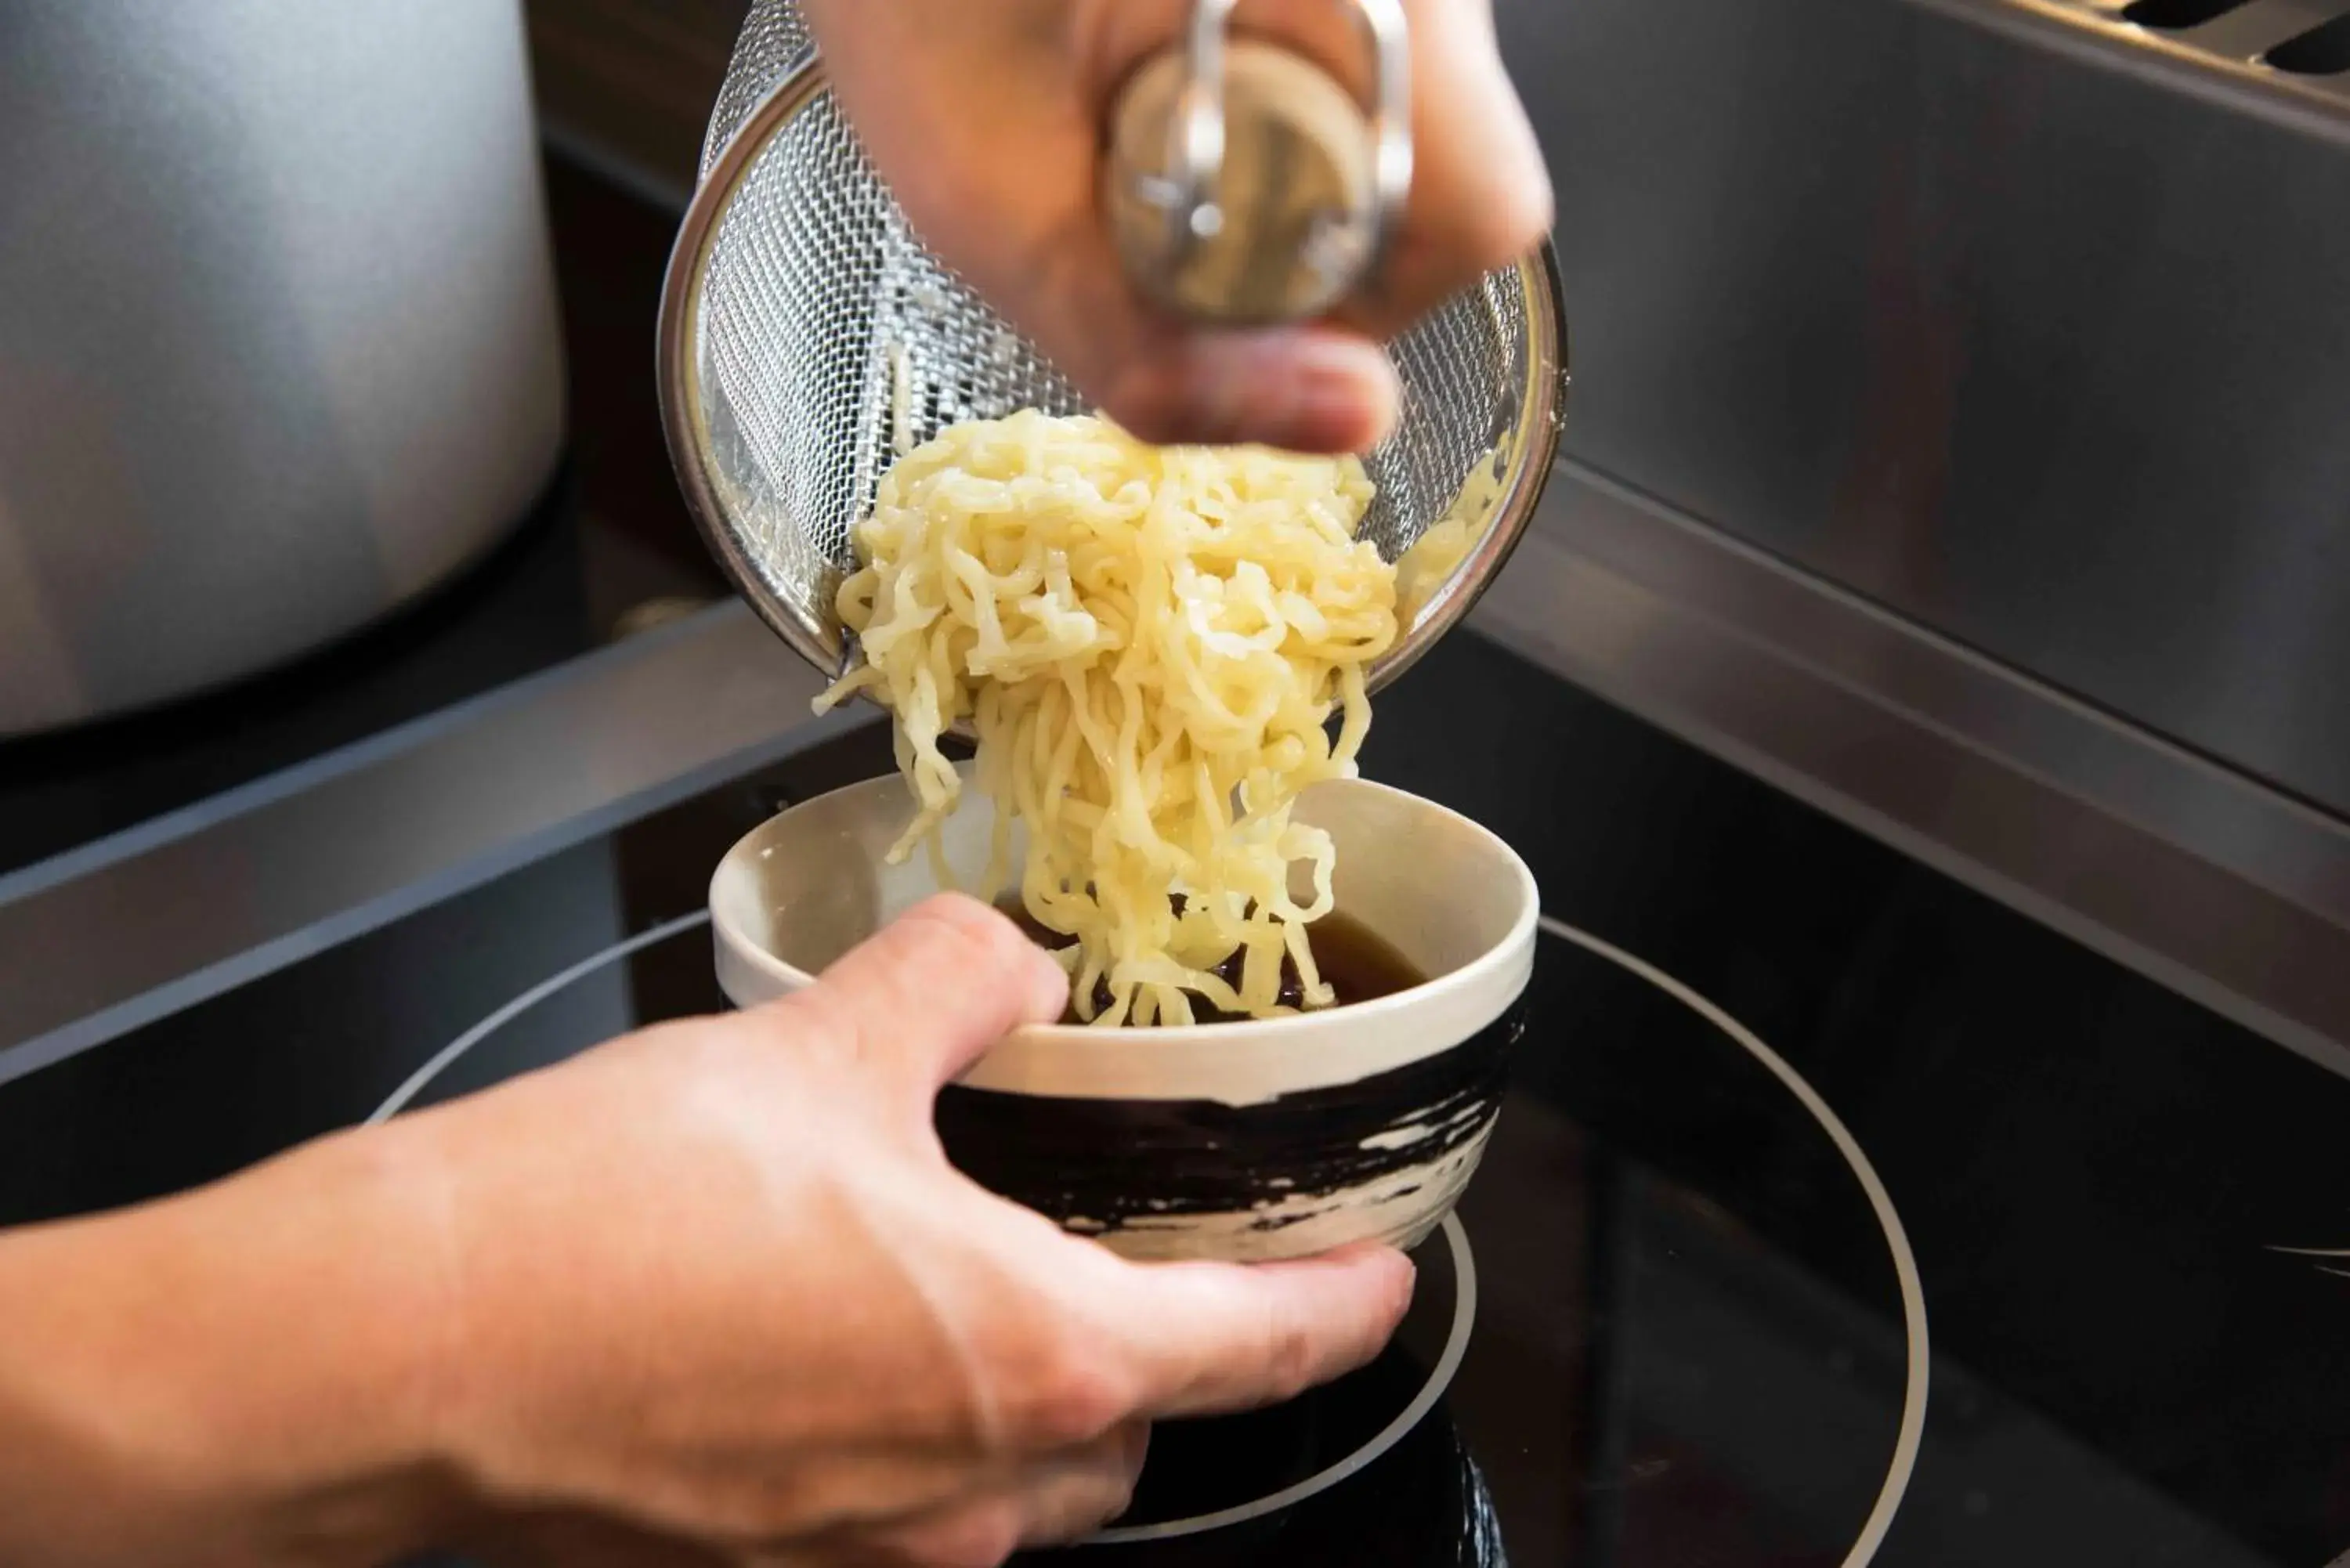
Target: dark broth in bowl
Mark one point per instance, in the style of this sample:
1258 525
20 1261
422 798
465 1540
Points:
1356 962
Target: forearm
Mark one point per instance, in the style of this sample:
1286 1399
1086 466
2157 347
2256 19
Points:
242 1374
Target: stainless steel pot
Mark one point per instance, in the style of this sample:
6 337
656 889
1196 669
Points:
278 343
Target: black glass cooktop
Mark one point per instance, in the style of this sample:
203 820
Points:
1681 1323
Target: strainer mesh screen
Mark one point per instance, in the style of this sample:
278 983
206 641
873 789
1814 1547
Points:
814 285
774 40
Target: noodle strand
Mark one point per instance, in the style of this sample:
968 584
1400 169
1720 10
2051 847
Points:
1149 644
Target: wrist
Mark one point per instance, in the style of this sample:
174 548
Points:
247 1373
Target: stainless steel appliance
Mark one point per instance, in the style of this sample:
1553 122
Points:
278 349
1962 440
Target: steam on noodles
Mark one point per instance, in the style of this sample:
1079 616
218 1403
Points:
1148 643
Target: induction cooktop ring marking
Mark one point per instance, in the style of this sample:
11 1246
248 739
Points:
1905 1262
1464 1306
1439 1379
448 1054
2339 1273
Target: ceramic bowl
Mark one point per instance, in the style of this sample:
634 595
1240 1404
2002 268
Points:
1246 1141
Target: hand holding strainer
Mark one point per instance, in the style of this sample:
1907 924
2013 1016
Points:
807 330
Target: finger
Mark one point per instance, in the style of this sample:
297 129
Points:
978 1534
1308 389
576 1538
934 988
1480 191
1311 387
1072 1495
1050 1501
1006 192
1208 1338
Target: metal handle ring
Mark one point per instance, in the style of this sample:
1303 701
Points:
1199 124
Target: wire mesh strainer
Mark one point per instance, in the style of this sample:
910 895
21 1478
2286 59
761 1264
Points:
799 309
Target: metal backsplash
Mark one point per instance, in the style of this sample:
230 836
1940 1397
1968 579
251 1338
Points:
2027 322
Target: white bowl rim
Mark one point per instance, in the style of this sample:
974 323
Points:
1240 1063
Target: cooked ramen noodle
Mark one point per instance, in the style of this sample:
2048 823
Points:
1149 644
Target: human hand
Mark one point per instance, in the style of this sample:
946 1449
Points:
986 119
708 1294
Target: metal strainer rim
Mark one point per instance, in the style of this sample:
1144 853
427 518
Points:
1543 411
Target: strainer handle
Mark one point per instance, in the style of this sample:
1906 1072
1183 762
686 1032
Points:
1199 148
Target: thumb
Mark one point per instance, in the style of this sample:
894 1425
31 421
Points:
927 995
1309 386
1314 388
1209 1338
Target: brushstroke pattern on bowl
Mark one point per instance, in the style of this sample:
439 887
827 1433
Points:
1245 1141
